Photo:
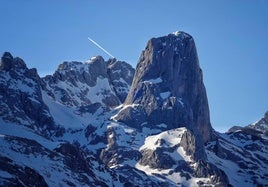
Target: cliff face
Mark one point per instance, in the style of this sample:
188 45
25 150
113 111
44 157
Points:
21 98
168 87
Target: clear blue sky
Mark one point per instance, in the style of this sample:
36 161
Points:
231 38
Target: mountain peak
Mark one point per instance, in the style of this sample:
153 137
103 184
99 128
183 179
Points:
182 34
6 56
168 87
8 62
89 82
95 59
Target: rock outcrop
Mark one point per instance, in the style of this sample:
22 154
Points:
21 98
168 87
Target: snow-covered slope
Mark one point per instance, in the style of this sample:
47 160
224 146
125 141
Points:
173 164
28 159
73 128
243 157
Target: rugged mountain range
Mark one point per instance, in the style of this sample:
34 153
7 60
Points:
102 123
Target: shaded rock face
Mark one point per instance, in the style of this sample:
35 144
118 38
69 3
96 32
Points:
115 154
192 146
168 84
8 62
21 98
205 169
157 158
120 75
74 158
24 175
77 84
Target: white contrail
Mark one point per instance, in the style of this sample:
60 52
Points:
101 47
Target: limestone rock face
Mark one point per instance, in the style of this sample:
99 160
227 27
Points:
21 98
168 87
120 75
78 84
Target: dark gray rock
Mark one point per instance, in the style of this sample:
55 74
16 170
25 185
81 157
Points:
208 170
109 153
168 80
6 61
74 158
183 166
26 146
21 97
23 175
132 116
120 76
156 158
192 146
114 154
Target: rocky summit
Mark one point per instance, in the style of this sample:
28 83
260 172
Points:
102 123
168 87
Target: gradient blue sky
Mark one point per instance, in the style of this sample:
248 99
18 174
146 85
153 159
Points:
231 38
